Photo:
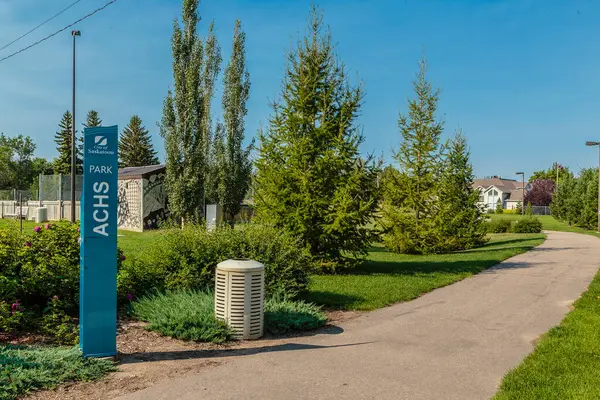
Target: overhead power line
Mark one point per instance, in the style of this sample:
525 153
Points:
58 31
40 25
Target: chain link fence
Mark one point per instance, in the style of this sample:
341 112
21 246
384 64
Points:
15 195
58 187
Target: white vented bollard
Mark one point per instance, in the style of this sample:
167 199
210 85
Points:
41 215
239 297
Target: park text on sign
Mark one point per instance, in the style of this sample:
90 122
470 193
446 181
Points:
98 294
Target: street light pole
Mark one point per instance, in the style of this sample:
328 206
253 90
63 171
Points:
523 191
597 144
73 141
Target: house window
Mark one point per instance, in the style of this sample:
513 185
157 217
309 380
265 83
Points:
481 198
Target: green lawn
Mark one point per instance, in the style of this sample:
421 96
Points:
566 360
132 243
26 369
549 223
389 278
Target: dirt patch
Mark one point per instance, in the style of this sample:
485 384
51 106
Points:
148 358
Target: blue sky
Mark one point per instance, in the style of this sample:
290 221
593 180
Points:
519 77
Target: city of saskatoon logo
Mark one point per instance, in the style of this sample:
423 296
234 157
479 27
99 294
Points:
100 141
100 146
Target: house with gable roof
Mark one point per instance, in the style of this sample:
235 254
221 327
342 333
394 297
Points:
508 191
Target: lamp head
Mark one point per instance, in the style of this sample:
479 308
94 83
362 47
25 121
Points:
592 143
75 33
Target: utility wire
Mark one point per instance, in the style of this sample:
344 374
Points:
40 25
57 32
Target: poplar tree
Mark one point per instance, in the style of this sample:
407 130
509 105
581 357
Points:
135 145
410 201
310 179
62 138
236 160
460 216
186 122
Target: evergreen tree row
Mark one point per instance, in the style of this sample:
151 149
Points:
135 145
429 205
310 178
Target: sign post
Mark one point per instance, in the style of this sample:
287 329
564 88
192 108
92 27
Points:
98 268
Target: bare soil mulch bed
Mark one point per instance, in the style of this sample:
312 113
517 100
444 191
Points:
148 358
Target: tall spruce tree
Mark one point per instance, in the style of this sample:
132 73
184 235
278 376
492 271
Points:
185 123
92 119
135 145
460 216
410 201
237 164
62 138
310 179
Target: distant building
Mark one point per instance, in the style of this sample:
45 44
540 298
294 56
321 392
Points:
509 191
142 197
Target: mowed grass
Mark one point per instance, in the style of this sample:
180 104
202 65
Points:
566 361
132 243
549 223
388 278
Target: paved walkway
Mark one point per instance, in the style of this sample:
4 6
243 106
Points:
456 342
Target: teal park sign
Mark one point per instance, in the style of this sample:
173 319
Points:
98 268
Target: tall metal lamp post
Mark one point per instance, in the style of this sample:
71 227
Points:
73 141
597 144
523 189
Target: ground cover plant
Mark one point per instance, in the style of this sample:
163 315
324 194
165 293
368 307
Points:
189 315
26 369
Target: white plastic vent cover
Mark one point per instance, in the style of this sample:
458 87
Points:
239 297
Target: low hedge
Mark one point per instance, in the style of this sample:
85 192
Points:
528 224
187 258
499 226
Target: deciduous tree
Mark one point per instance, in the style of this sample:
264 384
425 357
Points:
236 160
540 193
186 121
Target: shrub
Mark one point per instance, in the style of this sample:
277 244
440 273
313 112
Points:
49 265
12 318
186 314
187 258
36 266
283 315
58 325
499 207
499 226
491 211
527 225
